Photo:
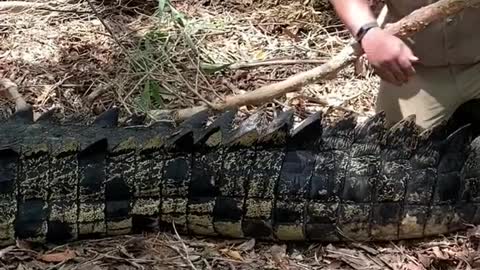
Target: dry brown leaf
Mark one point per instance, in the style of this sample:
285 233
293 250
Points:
232 254
4 251
22 244
439 254
412 266
58 257
424 260
278 253
89 266
368 249
247 246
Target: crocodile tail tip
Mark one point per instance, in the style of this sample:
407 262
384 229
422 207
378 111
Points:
197 120
436 133
372 129
404 132
247 133
183 136
347 122
48 117
135 119
215 133
278 131
283 120
310 125
459 139
23 114
108 118
99 146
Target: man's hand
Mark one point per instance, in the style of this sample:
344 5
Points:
389 55
391 58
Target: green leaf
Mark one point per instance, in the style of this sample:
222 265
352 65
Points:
144 101
155 93
162 4
179 17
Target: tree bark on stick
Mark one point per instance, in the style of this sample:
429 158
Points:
406 27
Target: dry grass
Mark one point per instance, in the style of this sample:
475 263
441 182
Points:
143 61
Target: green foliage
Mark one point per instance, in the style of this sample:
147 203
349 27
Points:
152 96
165 8
147 53
162 4
148 58
172 42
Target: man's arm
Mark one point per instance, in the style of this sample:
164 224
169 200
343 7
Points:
389 55
353 13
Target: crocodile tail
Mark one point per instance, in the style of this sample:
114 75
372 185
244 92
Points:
268 179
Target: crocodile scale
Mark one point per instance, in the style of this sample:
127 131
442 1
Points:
320 181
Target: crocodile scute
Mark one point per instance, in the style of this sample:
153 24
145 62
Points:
320 181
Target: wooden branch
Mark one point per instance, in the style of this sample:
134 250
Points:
12 93
276 62
406 27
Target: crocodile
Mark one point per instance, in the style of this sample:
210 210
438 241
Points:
318 180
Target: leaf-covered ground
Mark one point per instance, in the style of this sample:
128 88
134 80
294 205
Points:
171 251
84 57
146 59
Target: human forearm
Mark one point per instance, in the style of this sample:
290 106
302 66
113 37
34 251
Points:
353 13
389 55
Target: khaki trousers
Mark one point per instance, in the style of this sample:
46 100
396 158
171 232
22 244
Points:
433 94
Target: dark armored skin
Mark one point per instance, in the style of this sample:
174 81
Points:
319 181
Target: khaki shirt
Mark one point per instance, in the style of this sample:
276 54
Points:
455 40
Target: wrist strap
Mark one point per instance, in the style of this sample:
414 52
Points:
364 29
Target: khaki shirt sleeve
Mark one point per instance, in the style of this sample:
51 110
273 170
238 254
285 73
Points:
455 40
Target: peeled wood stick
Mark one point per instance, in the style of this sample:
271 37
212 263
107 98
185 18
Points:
406 27
276 62
12 93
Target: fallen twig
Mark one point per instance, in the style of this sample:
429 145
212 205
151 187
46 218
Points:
95 94
326 104
275 62
46 95
64 10
407 26
185 249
